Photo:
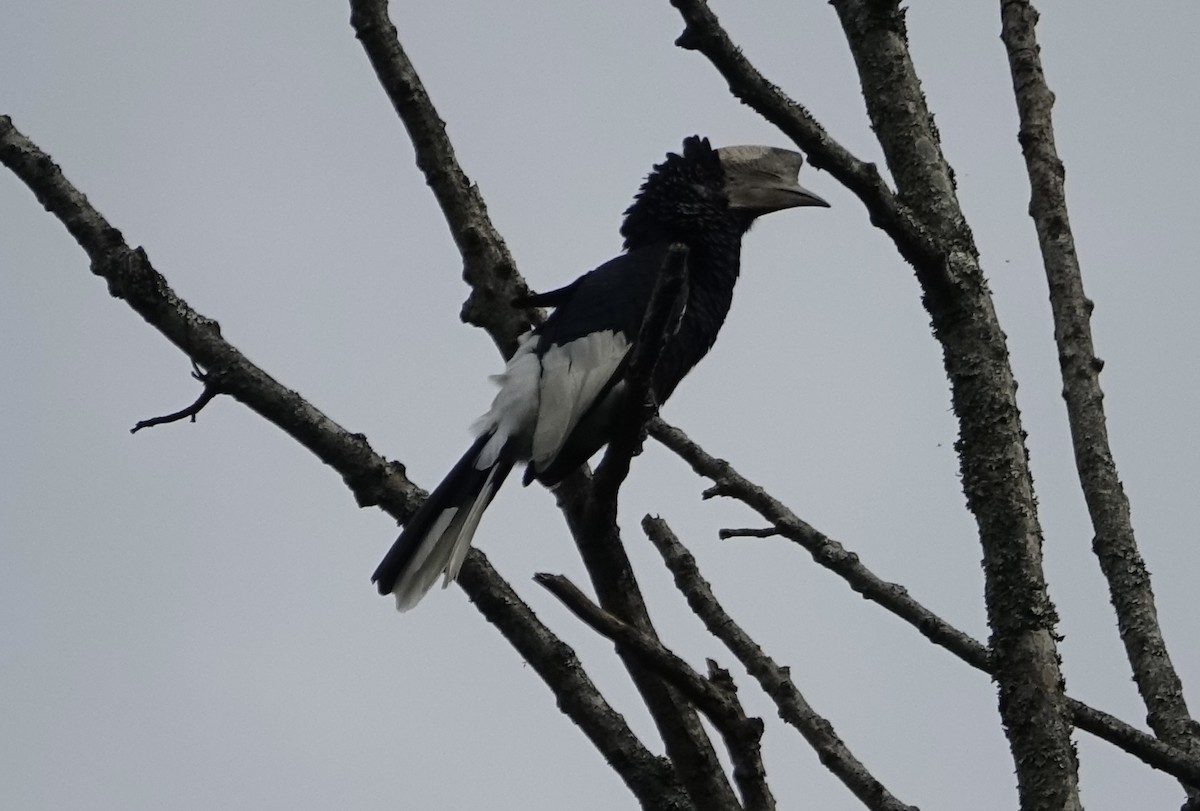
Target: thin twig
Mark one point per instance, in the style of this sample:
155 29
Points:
210 391
1114 544
747 532
775 680
716 696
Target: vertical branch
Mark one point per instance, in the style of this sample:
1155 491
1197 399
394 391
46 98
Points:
1128 581
666 301
991 447
891 596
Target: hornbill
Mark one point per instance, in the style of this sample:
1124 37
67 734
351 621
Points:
562 390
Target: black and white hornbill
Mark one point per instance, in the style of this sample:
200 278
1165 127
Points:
562 387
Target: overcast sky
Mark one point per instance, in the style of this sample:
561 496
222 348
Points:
188 621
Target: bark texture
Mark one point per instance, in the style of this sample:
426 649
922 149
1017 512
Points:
1115 546
991 444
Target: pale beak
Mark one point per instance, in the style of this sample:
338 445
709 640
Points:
803 197
763 198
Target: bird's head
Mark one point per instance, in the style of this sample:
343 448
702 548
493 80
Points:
704 189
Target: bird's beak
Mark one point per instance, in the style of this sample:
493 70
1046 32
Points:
803 197
763 198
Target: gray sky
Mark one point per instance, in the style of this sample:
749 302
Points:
188 618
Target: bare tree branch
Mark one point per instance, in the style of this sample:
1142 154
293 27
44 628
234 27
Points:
716 696
896 599
991 444
652 779
928 228
824 550
207 394
591 511
598 539
1114 544
1150 750
372 479
131 277
775 680
487 265
746 532
889 213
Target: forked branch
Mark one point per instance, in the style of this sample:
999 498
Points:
776 681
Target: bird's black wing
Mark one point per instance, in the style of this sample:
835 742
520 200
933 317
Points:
551 298
583 349
613 297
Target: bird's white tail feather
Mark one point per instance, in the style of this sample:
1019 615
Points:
443 548
469 524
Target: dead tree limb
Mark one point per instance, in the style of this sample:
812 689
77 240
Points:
776 681
1114 544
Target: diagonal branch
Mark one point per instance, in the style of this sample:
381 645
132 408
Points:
896 599
776 681
889 213
373 479
487 265
131 277
652 779
824 550
1128 581
716 696
598 538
